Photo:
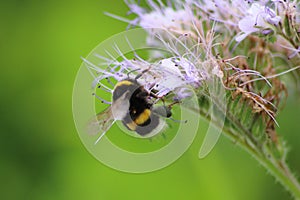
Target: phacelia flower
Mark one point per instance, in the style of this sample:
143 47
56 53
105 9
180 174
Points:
168 75
258 18
199 42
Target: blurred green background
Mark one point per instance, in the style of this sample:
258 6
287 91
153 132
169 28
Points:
41 154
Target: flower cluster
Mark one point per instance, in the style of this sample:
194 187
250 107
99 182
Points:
245 45
200 37
168 75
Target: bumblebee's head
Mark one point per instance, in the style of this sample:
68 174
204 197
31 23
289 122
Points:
164 111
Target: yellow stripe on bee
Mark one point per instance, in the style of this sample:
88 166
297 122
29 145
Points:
143 117
131 126
125 82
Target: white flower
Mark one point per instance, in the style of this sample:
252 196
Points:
258 18
161 16
165 19
224 11
174 74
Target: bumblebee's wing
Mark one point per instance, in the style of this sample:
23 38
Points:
101 123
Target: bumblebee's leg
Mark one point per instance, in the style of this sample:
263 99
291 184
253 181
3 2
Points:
154 95
174 103
157 98
134 70
178 121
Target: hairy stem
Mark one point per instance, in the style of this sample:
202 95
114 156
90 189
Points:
278 168
262 153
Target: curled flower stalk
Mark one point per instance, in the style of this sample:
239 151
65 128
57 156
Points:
232 54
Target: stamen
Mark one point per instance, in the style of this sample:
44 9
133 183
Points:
91 65
272 76
236 57
101 86
109 81
134 52
102 100
118 17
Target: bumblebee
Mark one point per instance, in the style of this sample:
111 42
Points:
131 104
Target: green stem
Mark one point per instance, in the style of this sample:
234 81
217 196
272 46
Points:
281 171
278 168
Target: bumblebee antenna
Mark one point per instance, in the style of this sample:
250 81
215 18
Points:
139 75
134 70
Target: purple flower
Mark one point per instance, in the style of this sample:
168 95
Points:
173 74
258 18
